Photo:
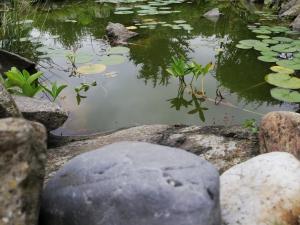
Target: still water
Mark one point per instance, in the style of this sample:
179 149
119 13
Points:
139 90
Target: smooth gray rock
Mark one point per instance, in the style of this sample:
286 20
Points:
133 183
118 33
8 106
43 111
22 170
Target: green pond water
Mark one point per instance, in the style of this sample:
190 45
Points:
139 90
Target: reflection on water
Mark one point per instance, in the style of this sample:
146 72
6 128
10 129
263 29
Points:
140 91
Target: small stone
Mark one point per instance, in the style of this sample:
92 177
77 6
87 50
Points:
263 190
133 183
212 13
51 115
8 107
280 131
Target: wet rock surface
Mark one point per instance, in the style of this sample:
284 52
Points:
51 115
212 13
118 33
280 131
132 183
222 146
8 107
263 190
22 170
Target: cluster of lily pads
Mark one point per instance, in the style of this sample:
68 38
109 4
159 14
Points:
152 24
275 45
84 60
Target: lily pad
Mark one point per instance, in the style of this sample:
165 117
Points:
241 46
289 64
283 39
281 69
118 50
266 58
263 36
285 95
269 53
283 80
113 60
91 69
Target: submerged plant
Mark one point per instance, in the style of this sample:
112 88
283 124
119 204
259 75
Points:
84 87
251 125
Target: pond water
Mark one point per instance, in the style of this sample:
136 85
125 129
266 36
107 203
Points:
139 90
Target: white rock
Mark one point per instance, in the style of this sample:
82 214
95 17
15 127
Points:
264 190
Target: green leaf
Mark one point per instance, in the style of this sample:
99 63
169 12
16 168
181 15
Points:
283 80
285 95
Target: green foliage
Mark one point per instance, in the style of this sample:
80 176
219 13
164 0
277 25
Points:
180 68
84 87
22 83
55 90
251 125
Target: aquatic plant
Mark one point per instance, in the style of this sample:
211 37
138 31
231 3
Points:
282 50
84 87
180 68
22 83
26 84
55 90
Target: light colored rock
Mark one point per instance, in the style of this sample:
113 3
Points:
8 106
222 146
212 13
132 183
292 11
296 24
262 191
22 169
118 33
280 131
43 111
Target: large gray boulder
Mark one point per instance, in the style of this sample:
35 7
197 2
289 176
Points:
8 106
118 33
296 23
133 183
51 115
263 190
22 169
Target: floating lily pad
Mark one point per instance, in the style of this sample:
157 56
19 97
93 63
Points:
270 41
263 36
289 64
269 53
283 39
179 21
241 46
283 80
113 60
83 58
285 95
123 12
266 58
118 50
281 69
91 69
281 47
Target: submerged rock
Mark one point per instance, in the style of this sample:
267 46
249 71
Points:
118 33
133 183
212 13
280 131
263 190
43 111
22 163
8 107
9 59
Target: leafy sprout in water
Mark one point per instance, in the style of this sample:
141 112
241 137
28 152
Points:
55 90
251 125
84 87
